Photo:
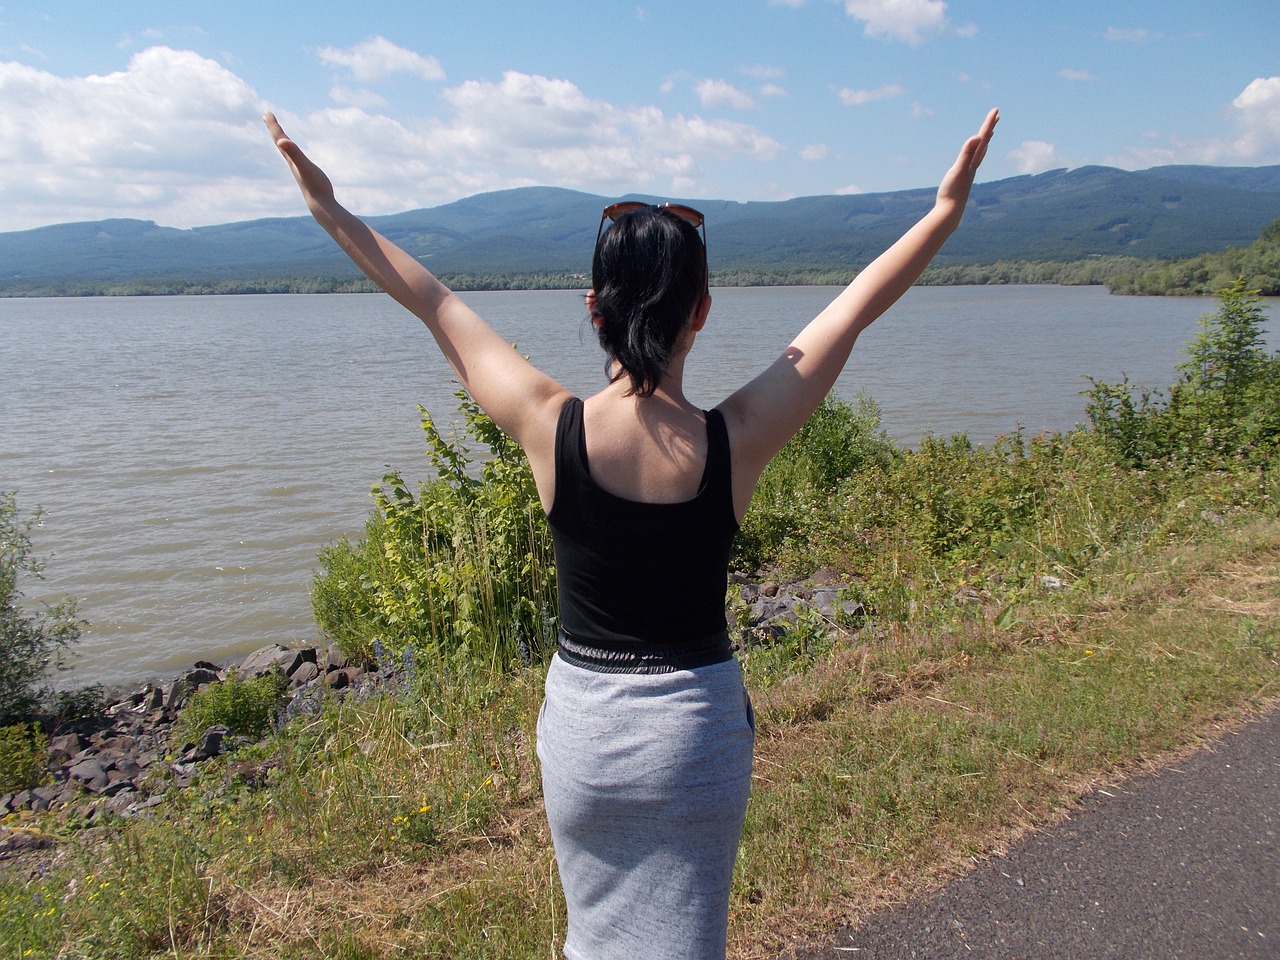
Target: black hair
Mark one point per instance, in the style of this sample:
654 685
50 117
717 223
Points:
649 273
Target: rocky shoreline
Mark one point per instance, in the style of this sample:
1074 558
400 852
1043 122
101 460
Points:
123 761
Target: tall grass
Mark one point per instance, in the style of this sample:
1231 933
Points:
463 570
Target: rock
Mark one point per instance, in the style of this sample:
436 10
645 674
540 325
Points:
117 783
271 657
825 577
121 803
305 673
128 766
69 743
50 794
769 589
22 840
1052 583
154 699
253 773
153 801
118 744
176 693
211 743
90 774
200 676
337 679
335 659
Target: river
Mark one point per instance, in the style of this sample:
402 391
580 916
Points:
192 455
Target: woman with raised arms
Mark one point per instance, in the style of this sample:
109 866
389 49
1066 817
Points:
646 733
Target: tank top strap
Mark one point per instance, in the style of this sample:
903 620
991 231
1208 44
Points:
719 475
570 446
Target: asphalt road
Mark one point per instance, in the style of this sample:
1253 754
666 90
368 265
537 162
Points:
1183 863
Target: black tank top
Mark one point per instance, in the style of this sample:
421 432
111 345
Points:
642 585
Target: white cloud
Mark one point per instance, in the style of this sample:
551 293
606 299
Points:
1258 116
856 98
523 129
850 189
815 151
1137 35
719 93
1255 113
918 110
355 96
772 90
762 72
786 3
907 20
1067 73
177 138
378 58
1035 156
173 137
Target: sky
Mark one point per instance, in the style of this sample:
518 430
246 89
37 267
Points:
152 110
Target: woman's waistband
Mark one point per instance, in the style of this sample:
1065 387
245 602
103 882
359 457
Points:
639 657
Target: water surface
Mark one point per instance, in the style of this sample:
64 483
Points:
193 454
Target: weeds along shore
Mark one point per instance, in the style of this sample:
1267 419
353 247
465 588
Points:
1015 621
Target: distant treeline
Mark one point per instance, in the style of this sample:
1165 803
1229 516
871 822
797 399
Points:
1258 264
1206 274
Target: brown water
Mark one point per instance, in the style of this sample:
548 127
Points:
193 454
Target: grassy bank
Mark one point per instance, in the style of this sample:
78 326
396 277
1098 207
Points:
1033 616
394 827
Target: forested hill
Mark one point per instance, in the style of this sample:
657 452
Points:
1062 215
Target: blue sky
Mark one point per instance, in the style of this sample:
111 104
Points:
150 109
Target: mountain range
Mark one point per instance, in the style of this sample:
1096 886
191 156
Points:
1163 212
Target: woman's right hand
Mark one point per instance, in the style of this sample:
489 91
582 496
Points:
316 187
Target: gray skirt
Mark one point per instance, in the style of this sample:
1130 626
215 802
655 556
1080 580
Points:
645 778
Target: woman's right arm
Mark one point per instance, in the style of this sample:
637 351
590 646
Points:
763 415
521 399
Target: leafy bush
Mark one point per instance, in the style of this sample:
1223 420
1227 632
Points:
22 757
464 569
31 645
1224 407
796 487
247 708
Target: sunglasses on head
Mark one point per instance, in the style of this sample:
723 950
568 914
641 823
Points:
687 214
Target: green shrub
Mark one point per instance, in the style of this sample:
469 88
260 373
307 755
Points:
462 571
247 708
1223 410
796 488
31 645
22 757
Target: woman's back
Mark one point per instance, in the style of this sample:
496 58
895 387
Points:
648 449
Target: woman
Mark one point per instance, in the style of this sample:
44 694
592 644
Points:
646 733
